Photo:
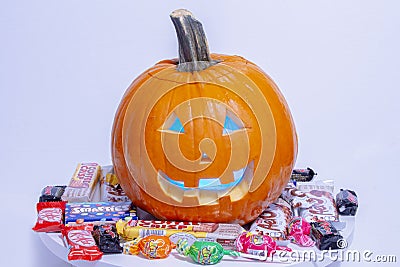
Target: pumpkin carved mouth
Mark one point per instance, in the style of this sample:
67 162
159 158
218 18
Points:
209 189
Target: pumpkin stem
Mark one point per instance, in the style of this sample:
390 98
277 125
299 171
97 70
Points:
194 54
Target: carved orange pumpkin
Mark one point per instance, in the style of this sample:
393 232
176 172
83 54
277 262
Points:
208 138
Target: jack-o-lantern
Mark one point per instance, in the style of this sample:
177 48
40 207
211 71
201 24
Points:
203 138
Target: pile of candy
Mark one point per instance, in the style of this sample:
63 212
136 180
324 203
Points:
306 214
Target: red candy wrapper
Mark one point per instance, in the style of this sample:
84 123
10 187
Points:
50 216
256 244
81 244
299 232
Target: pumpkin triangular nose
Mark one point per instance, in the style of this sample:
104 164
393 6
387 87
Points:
205 159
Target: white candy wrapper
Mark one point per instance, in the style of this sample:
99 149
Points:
323 204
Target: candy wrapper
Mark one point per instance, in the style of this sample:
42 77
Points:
110 188
81 244
98 212
83 182
207 253
324 207
273 221
152 247
325 235
107 239
296 198
50 216
225 234
52 193
299 232
303 175
347 202
204 252
260 245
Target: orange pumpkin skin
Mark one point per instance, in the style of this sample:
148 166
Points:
141 141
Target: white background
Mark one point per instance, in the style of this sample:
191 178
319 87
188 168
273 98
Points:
64 66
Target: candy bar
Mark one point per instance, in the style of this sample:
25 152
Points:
302 175
52 193
82 184
296 198
189 226
107 239
50 216
325 235
273 221
225 234
81 244
98 212
324 207
347 202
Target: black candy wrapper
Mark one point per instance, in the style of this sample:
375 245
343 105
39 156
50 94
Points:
52 193
303 175
325 235
346 202
107 239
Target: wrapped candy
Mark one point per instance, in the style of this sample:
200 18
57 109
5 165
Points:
152 247
347 202
204 252
207 253
107 239
256 244
50 216
299 232
81 244
273 221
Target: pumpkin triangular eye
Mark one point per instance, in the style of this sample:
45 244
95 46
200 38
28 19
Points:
177 126
232 123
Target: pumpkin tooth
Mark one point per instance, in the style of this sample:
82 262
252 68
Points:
241 189
172 190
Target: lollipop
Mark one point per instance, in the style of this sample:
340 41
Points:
207 253
152 247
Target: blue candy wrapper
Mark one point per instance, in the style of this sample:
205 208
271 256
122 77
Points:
98 212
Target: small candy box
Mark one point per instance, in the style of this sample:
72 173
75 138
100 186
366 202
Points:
98 212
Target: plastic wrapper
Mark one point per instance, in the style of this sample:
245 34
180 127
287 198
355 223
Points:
325 235
52 193
296 198
255 244
303 175
107 239
273 221
50 216
98 212
204 252
225 234
299 232
347 202
152 247
81 244
82 184
110 188
324 207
